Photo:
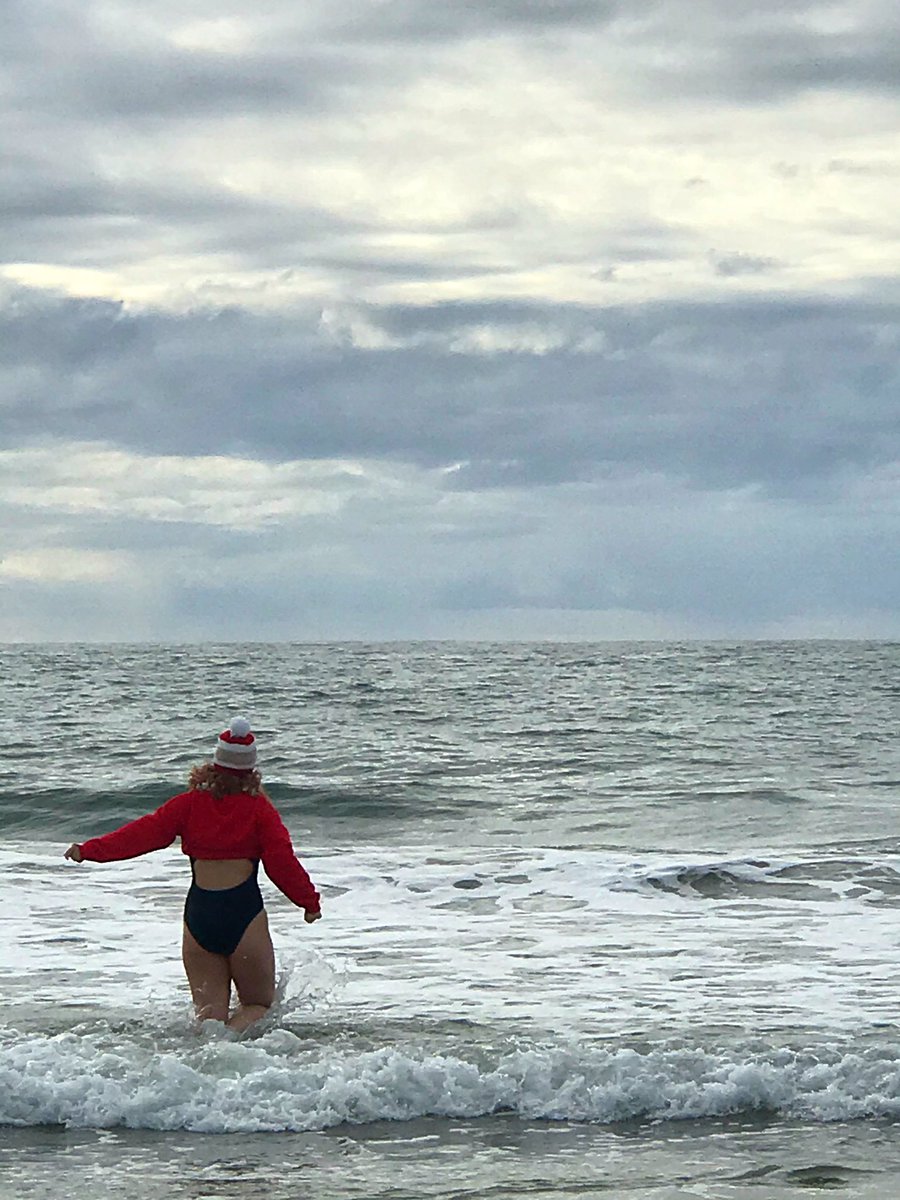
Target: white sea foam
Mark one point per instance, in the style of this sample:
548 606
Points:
551 983
578 942
280 1082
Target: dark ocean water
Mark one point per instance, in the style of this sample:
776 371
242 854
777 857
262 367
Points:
600 919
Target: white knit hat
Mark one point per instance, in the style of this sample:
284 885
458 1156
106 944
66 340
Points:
236 747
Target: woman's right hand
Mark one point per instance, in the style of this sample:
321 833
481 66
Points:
309 917
74 852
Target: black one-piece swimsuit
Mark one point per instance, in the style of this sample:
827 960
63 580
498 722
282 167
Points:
218 918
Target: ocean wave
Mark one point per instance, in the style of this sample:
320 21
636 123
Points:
816 879
281 1082
42 812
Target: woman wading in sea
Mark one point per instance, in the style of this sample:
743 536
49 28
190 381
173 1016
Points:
227 826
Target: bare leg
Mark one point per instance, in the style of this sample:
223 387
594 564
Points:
252 968
209 978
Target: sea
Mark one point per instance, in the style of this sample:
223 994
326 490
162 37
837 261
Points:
611 920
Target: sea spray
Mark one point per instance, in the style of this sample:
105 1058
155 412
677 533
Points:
281 1080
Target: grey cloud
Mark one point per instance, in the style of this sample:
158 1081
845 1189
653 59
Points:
63 65
754 562
89 224
865 61
786 396
31 188
730 265
720 47
179 85
65 70
421 20
758 54
68 612
59 210
368 267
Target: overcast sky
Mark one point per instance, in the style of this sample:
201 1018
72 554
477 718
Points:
487 318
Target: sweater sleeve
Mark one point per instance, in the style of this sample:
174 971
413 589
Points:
279 861
151 832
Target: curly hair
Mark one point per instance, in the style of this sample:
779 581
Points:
225 783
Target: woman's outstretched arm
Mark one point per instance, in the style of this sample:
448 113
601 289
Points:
154 831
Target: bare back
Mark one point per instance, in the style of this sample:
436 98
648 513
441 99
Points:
218 874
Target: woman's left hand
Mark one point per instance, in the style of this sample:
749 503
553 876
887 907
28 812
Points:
74 852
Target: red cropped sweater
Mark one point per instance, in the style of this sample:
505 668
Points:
237 826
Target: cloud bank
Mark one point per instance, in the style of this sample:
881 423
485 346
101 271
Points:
573 319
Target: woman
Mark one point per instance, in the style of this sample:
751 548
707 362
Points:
227 825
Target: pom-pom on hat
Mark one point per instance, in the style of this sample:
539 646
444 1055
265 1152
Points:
236 747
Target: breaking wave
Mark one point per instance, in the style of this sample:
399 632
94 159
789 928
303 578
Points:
283 1082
